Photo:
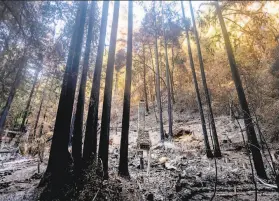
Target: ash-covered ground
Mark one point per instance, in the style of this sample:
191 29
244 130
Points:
179 169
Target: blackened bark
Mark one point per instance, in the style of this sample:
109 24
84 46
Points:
90 141
105 126
144 81
250 131
78 121
116 82
40 109
26 110
158 93
217 151
4 113
167 77
123 161
206 142
154 84
154 74
42 124
171 75
38 116
59 158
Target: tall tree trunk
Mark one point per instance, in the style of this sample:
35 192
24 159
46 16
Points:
217 151
90 140
123 161
153 68
38 116
251 134
59 158
167 76
171 75
154 83
78 122
26 111
40 109
158 94
5 110
42 124
144 81
115 84
105 126
206 142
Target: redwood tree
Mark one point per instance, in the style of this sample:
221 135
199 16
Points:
78 123
158 90
38 115
167 77
26 110
59 158
5 110
123 161
249 127
217 151
206 142
105 126
90 140
144 80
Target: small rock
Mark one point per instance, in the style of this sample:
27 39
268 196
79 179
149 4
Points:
170 166
199 174
150 197
163 160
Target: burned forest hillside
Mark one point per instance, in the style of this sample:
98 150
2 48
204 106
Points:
139 100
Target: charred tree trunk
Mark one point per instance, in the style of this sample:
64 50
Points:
40 109
217 151
154 84
251 134
123 161
206 142
4 113
158 94
38 117
167 77
26 111
153 68
171 75
59 158
144 81
78 122
42 124
90 140
105 126
116 81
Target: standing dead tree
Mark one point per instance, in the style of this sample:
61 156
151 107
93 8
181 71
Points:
105 126
58 169
250 131
78 122
206 142
217 151
123 160
90 140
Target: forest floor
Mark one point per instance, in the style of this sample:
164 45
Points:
179 170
